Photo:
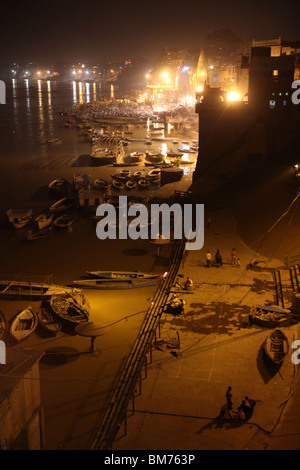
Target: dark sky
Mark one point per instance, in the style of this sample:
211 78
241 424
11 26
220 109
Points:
96 31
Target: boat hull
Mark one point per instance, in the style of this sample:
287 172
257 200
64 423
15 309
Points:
276 346
24 324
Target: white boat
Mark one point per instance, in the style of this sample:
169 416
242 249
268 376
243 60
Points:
63 204
121 275
19 217
64 221
44 220
24 324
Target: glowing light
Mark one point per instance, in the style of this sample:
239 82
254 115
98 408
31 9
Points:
168 80
73 72
165 74
233 96
202 73
185 69
211 67
39 73
147 76
199 88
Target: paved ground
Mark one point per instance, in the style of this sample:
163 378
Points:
182 395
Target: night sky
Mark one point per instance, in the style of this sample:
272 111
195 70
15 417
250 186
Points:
96 31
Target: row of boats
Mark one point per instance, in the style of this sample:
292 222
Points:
62 304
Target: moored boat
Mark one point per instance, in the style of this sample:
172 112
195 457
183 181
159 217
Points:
48 321
130 185
111 283
58 186
24 289
137 156
24 324
64 221
121 275
19 218
37 235
270 316
73 308
101 184
63 204
43 220
143 183
117 184
276 346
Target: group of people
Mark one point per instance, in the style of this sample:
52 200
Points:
218 259
243 412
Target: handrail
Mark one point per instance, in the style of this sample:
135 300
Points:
116 412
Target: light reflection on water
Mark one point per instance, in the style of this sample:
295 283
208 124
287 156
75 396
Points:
31 114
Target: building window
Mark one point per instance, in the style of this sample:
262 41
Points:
275 73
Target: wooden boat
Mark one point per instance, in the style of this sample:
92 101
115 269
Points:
276 346
123 175
114 283
19 218
154 174
44 220
64 221
58 186
63 204
44 232
143 183
174 154
22 289
271 316
137 156
73 308
124 275
117 184
138 174
101 184
48 322
3 325
24 324
130 185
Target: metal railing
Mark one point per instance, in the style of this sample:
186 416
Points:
125 389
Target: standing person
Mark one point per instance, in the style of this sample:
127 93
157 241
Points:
238 263
228 396
233 256
208 259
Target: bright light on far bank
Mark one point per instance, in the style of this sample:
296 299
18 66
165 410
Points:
233 96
